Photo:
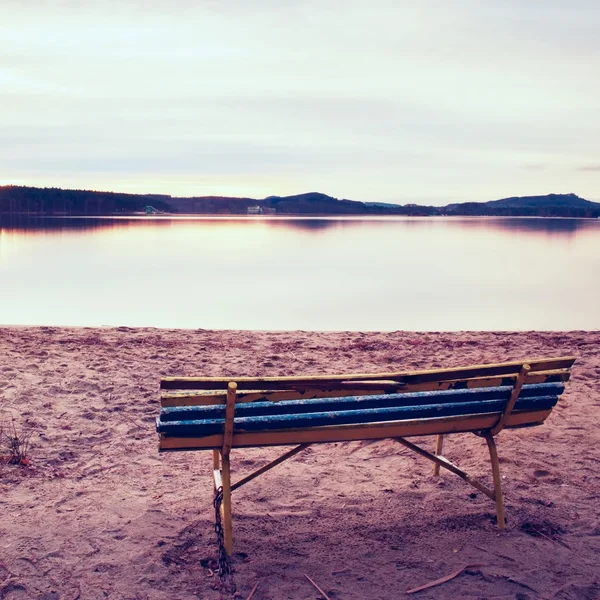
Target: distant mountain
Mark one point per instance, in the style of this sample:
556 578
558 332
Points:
20 200
315 203
570 200
551 205
386 204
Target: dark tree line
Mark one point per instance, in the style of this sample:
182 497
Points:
547 210
19 200
55 201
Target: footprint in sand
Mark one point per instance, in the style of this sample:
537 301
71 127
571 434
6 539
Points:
541 473
13 590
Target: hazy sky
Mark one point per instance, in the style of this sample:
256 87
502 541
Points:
430 101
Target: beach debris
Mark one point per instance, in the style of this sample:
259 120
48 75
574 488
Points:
517 582
441 580
318 588
253 590
15 442
545 530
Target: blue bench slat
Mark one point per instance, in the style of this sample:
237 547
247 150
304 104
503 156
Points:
316 405
199 428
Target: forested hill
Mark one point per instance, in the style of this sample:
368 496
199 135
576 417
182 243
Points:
15 200
20 200
551 205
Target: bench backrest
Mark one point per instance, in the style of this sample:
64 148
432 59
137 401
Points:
283 410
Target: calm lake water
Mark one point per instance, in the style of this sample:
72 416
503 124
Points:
308 273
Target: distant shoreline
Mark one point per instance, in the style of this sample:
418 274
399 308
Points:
281 216
21 200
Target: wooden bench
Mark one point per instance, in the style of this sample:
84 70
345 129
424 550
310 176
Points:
221 413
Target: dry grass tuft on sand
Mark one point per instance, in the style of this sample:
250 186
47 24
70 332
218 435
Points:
14 444
94 512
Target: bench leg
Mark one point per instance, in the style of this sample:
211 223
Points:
226 505
216 461
497 481
439 442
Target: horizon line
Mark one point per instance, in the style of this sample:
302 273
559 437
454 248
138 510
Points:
159 195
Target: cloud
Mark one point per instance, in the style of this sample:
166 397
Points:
535 167
593 168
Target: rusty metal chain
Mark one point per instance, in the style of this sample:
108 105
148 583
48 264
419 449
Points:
225 566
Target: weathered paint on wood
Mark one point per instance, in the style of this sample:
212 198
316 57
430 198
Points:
217 479
368 431
439 444
187 413
497 480
514 396
207 397
228 423
226 515
204 427
432 375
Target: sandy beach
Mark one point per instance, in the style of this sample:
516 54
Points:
100 514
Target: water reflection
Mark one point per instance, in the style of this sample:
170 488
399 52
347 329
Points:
546 226
307 273
533 225
315 224
63 223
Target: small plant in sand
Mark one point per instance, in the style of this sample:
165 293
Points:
14 444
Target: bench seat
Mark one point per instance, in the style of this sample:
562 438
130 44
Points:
202 421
